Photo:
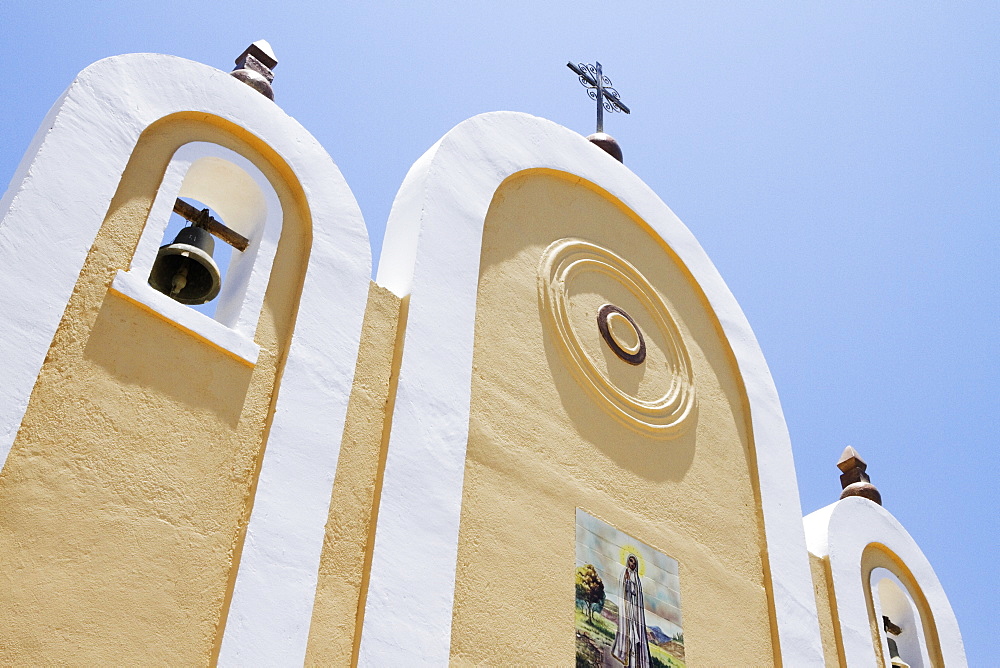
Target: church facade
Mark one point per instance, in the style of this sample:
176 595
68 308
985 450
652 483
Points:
544 435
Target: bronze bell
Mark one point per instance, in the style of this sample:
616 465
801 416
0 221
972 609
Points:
894 657
185 270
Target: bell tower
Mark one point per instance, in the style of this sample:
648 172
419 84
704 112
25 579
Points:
147 448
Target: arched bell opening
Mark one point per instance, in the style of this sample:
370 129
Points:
208 186
865 544
205 253
899 621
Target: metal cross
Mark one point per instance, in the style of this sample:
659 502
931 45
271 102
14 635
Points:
598 88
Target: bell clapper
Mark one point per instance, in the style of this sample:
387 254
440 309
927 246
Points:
180 279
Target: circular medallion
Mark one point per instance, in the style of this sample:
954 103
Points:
569 267
621 334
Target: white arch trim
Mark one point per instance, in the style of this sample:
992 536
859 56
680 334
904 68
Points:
841 532
431 253
50 217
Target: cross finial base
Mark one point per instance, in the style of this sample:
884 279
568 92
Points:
608 143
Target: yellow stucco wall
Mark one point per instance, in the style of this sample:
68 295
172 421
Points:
126 492
347 546
540 446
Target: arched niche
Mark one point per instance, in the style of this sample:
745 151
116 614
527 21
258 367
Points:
892 601
233 186
431 255
86 208
864 546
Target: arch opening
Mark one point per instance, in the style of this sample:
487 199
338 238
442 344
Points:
236 193
901 626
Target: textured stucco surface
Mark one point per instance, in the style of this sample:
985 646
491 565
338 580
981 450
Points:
350 528
540 446
126 491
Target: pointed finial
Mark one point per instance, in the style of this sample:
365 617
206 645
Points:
254 67
854 480
850 459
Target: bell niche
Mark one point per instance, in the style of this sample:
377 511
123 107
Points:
205 253
902 629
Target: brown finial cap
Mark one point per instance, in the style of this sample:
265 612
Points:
854 480
850 459
262 51
608 143
254 67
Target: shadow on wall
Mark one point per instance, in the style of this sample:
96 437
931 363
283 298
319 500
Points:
632 450
141 350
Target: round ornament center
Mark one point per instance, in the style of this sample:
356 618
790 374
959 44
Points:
621 334
624 332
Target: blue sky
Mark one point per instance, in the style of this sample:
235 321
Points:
840 162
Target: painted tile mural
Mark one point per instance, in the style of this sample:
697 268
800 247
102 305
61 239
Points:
628 602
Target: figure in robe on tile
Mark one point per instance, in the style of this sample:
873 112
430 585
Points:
631 646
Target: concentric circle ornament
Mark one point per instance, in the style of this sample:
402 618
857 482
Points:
562 263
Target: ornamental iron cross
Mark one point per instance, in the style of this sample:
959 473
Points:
598 88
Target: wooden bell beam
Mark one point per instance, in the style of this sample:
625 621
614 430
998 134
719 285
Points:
203 220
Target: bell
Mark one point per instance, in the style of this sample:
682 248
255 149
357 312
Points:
894 657
893 630
185 270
